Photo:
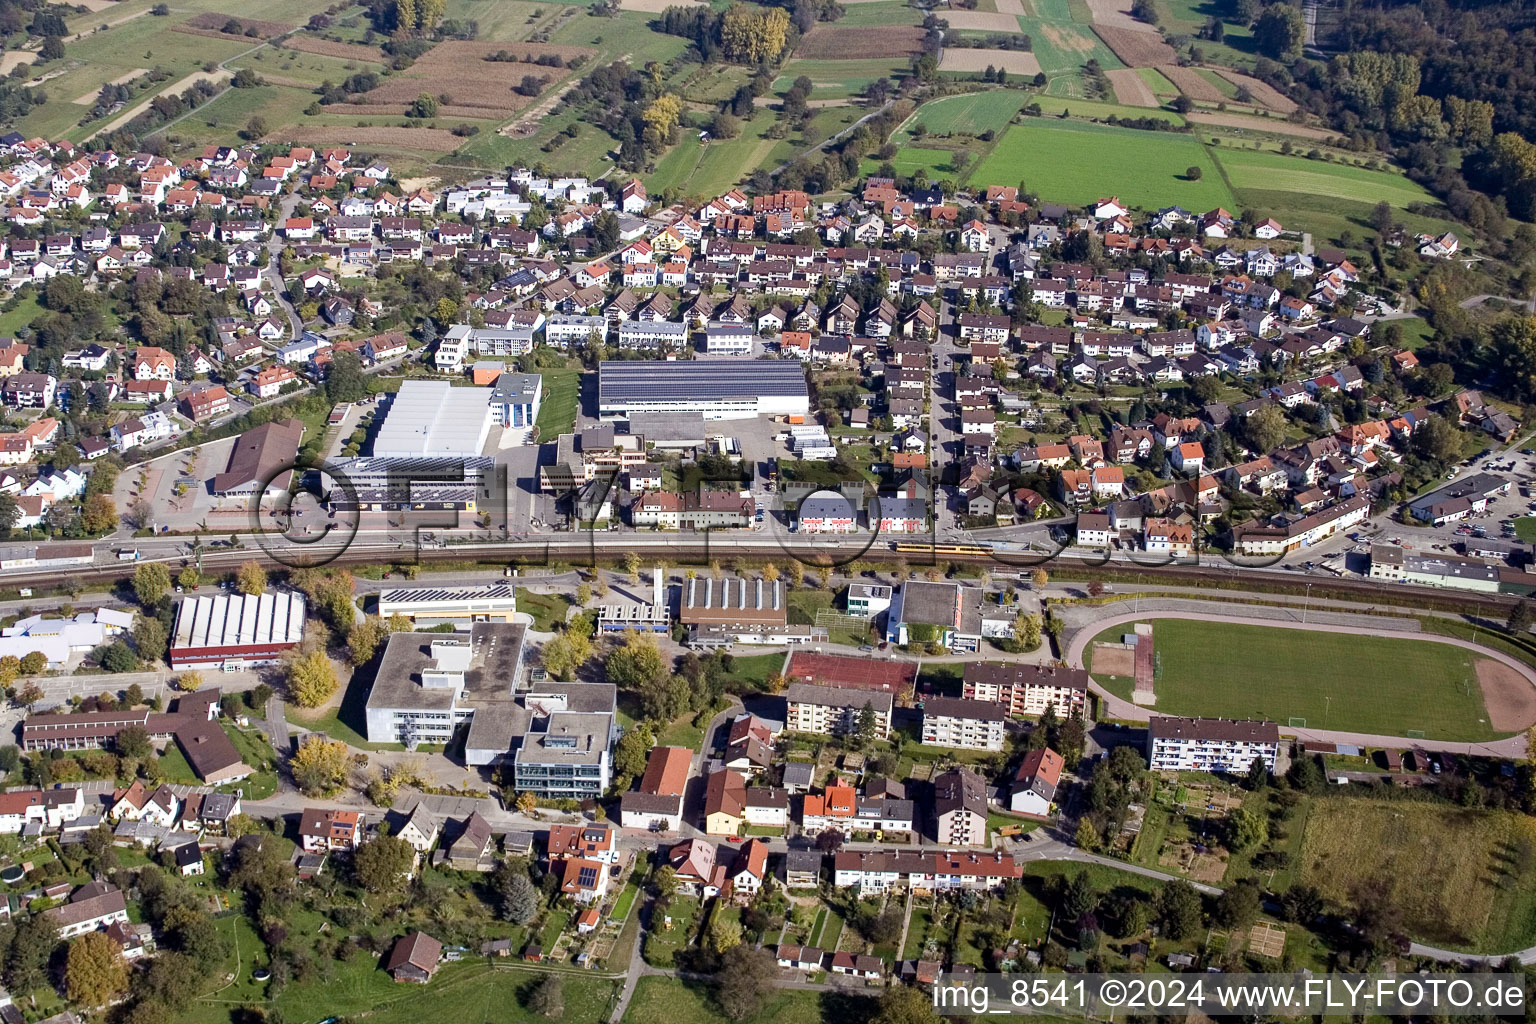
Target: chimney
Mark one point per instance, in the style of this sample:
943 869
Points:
658 597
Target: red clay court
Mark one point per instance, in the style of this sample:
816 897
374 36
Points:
893 677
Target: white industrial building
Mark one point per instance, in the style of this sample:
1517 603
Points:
434 606
234 631
433 418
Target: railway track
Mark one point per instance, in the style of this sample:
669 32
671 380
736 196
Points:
586 551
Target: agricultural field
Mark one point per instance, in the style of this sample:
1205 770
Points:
1386 686
973 114
1131 88
1460 878
936 164
1074 162
966 60
833 42
1135 47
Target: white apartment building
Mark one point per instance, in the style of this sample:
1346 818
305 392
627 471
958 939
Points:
956 722
1210 744
832 710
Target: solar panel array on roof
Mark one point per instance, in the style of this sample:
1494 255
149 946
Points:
719 388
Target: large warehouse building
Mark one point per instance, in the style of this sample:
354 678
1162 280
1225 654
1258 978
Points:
434 418
719 389
233 631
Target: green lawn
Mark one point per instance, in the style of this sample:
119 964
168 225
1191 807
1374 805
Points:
1377 685
974 113
839 79
557 409
936 164
476 992
547 610
1278 173
28 308
682 733
751 673
659 1000
1074 162
1525 529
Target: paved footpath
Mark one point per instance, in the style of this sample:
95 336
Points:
1118 707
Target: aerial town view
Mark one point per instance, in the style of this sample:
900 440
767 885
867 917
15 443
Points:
762 511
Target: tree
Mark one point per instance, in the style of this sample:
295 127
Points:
149 638
96 973
26 960
98 515
189 578
363 639
251 579
519 896
865 726
1519 620
119 658
636 663
1437 439
1087 835
1238 907
1040 577
33 663
319 766
151 582
1179 910
1193 173
1280 31
133 742
905 1004
753 36
830 840
566 653
629 756
1258 775
548 998
189 682
724 932
312 679
746 976
345 380
1247 827
383 864
1264 431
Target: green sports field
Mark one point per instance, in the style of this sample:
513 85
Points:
1332 680
1073 162
1274 172
975 113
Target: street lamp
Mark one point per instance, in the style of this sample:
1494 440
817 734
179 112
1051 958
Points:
1307 604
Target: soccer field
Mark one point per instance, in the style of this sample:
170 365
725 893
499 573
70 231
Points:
1332 680
1074 162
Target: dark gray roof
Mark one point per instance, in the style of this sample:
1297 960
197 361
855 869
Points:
692 380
